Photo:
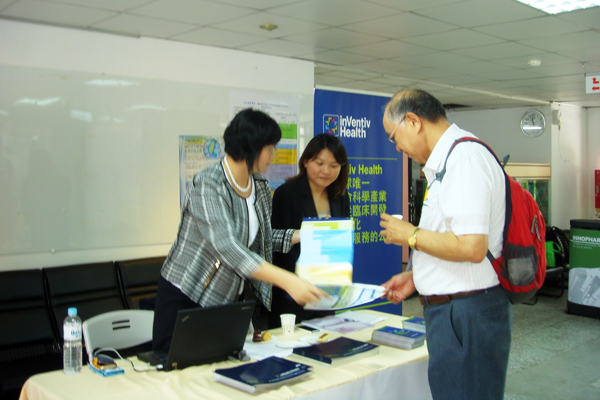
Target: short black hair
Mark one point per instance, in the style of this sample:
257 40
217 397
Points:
416 101
318 143
247 133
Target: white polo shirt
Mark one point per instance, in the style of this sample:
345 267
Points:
469 200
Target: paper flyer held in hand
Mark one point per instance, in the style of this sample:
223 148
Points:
327 251
347 296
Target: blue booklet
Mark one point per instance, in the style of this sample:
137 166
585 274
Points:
414 324
337 352
266 374
398 337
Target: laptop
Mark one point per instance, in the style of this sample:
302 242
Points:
205 335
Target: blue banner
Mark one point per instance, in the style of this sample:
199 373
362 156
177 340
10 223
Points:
375 182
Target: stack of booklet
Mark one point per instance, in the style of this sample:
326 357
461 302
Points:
267 374
414 324
396 337
336 352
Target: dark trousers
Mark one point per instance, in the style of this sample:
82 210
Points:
169 300
469 343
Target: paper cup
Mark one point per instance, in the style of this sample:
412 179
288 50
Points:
287 323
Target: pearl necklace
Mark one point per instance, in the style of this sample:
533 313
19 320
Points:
238 187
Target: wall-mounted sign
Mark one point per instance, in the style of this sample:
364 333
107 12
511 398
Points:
592 83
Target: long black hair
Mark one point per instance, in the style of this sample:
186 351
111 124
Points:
313 148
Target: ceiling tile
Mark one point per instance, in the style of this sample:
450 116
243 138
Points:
560 69
481 12
337 57
531 28
426 73
590 55
408 5
114 5
282 48
333 12
545 58
567 41
334 38
400 26
589 17
5 3
285 26
57 13
258 4
496 51
349 74
459 80
388 66
455 39
437 59
199 12
143 26
389 49
217 37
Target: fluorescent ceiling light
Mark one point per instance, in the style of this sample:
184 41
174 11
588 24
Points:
110 82
148 107
560 6
38 102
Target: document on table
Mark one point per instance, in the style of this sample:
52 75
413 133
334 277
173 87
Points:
346 296
326 251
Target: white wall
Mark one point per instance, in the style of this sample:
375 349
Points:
167 71
501 129
593 145
567 149
569 191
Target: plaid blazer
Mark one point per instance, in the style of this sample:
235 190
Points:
210 257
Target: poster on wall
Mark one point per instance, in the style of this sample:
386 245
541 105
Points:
195 153
285 110
375 181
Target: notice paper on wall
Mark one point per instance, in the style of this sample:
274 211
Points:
326 251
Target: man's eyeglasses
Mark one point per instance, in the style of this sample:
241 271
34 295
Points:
391 136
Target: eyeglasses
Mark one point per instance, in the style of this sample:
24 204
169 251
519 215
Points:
273 150
391 136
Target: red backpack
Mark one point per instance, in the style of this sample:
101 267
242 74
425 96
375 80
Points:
521 268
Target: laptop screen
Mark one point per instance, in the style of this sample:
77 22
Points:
208 334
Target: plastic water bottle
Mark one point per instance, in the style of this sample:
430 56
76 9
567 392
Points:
72 349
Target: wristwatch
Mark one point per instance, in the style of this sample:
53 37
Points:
412 239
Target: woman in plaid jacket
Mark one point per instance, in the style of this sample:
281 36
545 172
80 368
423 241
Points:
225 243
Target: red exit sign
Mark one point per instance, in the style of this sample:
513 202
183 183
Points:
592 83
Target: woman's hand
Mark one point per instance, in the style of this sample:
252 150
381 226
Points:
302 291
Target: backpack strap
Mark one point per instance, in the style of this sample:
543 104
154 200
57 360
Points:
440 175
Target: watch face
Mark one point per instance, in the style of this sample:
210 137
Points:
533 123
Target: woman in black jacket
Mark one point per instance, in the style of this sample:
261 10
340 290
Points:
318 191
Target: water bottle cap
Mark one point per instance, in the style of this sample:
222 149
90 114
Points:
72 311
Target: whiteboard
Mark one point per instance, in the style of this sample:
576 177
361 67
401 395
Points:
91 161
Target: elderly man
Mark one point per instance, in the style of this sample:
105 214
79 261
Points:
467 314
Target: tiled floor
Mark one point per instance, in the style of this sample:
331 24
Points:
554 355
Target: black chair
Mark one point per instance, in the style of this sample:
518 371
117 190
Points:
92 288
556 276
139 280
29 342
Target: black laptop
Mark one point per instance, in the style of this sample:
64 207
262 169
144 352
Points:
205 335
